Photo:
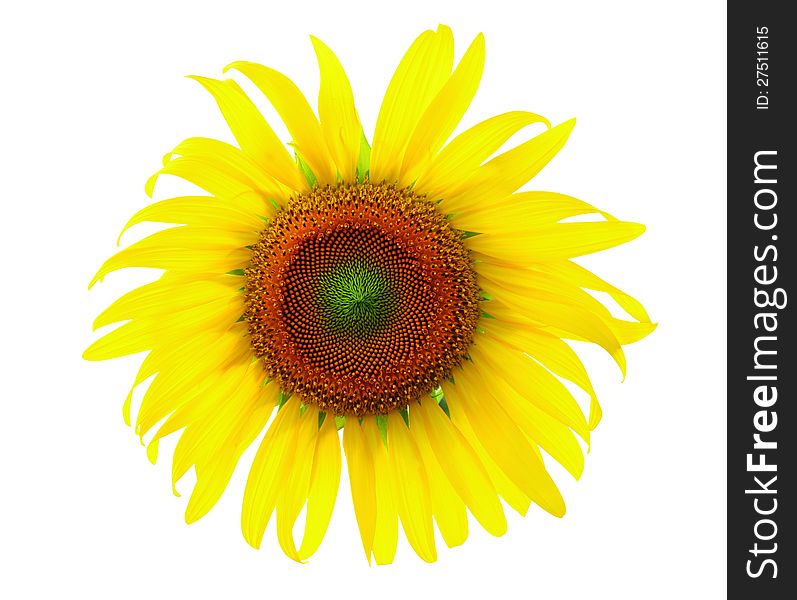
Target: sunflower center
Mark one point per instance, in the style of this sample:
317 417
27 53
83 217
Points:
356 298
360 298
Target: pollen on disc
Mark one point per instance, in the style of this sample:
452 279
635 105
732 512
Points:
360 298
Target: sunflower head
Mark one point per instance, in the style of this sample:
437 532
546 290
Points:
406 293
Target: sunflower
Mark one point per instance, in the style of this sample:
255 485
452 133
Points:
403 298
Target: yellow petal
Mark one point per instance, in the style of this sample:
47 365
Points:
339 121
253 133
539 426
172 354
549 350
201 362
448 509
126 406
202 174
506 443
595 413
297 481
553 437
444 112
185 249
411 488
212 479
149 366
421 73
169 355
461 465
510 492
162 398
554 242
506 172
512 283
193 408
457 162
568 321
515 287
268 473
167 295
580 276
531 381
324 482
192 416
162 358
230 161
386 530
204 211
362 479
522 211
218 168
294 110
221 440
143 334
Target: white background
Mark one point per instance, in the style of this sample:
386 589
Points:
93 94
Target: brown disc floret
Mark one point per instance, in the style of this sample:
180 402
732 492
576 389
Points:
360 298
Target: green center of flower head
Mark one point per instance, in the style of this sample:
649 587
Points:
356 298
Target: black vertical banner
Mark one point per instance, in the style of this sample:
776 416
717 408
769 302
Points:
762 263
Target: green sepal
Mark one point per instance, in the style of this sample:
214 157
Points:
239 272
274 203
340 422
321 417
486 296
469 234
405 414
444 405
282 398
305 169
381 425
439 397
487 315
302 409
364 160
